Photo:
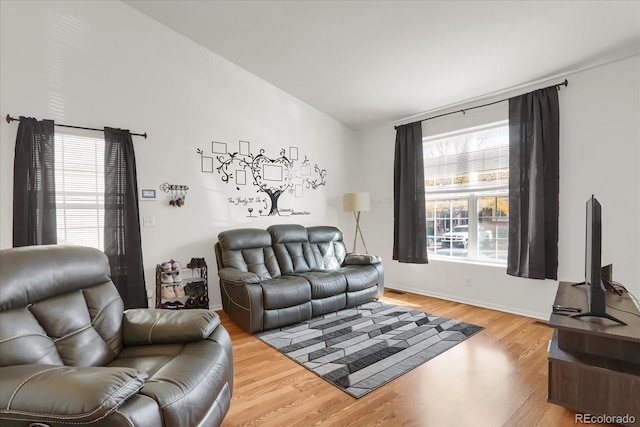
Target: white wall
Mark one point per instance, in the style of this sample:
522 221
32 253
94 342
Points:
599 154
104 64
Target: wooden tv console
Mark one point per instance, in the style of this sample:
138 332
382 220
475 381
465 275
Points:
594 363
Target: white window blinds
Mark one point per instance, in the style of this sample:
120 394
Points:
79 170
468 161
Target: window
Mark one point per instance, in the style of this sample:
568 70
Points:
466 193
79 169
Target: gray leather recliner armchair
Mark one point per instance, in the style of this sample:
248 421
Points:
70 355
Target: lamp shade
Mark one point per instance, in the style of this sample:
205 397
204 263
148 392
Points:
356 202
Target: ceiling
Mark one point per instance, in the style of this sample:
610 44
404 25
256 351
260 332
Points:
365 62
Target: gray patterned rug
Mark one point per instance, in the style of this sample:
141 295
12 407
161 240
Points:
361 348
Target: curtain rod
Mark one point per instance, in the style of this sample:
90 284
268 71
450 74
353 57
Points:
557 85
13 119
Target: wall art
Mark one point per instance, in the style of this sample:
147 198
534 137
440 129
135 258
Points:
272 176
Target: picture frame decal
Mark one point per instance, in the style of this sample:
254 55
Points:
218 147
241 177
244 148
206 164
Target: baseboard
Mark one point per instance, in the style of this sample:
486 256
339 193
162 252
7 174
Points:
526 313
532 314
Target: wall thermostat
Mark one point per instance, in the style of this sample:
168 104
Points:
147 194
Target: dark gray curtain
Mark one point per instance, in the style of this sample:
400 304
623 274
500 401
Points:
122 242
534 122
34 189
409 222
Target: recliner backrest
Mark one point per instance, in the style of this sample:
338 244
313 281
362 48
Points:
327 246
293 251
248 250
58 306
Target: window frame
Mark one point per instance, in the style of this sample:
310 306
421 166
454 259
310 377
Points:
471 194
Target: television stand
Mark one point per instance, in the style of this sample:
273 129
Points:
601 296
601 315
594 365
607 285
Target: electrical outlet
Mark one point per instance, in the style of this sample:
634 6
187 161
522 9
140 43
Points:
468 281
149 222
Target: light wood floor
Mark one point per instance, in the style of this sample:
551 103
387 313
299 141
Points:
497 377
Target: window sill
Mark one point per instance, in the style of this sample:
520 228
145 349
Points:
461 260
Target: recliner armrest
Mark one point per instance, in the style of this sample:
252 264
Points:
361 259
237 277
142 326
65 394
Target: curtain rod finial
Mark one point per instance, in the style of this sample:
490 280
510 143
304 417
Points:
9 118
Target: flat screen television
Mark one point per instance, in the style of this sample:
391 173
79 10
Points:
596 292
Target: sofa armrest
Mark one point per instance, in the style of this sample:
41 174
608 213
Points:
142 326
237 277
361 259
64 394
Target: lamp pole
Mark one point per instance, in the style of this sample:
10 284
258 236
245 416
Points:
355 237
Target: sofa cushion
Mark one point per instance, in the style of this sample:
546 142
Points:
68 395
324 233
142 326
58 299
286 291
328 305
77 328
362 259
34 273
286 316
184 379
291 246
244 238
327 246
23 341
325 283
359 277
288 233
362 296
248 250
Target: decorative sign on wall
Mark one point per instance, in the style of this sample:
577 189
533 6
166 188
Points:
271 176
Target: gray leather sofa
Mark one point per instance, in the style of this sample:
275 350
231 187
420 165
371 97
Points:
70 355
289 273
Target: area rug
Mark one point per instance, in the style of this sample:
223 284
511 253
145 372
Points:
361 348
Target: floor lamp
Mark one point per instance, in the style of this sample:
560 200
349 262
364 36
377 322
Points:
356 203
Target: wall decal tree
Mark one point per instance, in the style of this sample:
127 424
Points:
272 176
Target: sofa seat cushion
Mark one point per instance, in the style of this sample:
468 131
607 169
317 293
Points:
325 283
285 291
326 305
286 316
359 277
184 379
360 297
